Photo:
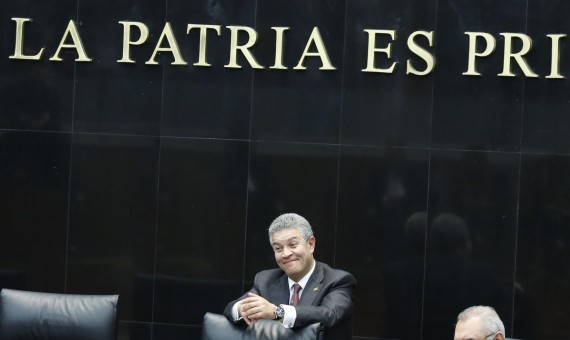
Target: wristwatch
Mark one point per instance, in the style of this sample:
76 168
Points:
279 312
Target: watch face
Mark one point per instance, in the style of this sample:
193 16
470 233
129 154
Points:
279 312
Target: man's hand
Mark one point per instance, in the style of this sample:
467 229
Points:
254 307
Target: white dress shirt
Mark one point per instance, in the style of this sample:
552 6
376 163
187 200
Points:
290 312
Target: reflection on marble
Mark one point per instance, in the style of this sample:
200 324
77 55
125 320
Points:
34 180
134 330
112 218
203 185
543 256
160 331
471 243
381 232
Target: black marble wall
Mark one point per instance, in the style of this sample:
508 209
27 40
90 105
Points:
158 182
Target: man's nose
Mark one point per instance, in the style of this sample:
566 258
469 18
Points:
286 252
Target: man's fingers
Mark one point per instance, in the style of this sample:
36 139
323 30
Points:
252 308
256 310
246 319
246 304
248 300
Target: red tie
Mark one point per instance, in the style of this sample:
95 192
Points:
295 297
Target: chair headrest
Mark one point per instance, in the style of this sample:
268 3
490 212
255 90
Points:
35 315
217 326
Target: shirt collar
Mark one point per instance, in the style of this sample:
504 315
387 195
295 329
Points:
305 279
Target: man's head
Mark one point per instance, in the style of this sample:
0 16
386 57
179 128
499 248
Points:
479 323
291 237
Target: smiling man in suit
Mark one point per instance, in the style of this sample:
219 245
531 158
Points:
302 291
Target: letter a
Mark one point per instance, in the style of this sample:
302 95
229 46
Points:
77 45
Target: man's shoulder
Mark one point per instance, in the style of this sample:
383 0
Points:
269 274
329 271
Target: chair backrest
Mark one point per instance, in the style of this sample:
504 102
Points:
216 326
34 315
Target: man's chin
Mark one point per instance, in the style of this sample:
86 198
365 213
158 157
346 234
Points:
290 271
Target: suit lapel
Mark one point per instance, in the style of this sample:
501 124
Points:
279 290
313 287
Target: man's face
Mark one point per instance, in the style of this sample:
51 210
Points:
292 253
472 329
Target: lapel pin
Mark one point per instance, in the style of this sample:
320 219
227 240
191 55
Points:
315 289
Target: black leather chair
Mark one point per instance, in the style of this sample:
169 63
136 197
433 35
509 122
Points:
218 327
33 315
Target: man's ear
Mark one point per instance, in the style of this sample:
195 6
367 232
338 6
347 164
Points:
312 242
499 336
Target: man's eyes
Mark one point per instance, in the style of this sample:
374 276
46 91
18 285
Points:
280 249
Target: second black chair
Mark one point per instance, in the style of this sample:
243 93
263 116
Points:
46 316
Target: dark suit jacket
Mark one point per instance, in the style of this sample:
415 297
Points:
327 298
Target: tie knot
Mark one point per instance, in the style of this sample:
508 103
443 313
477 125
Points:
296 288
295 297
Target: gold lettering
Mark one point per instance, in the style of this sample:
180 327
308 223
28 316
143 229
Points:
490 46
372 50
203 37
422 53
279 48
518 57
234 47
555 56
77 45
143 29
19 46
321 52
172 47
